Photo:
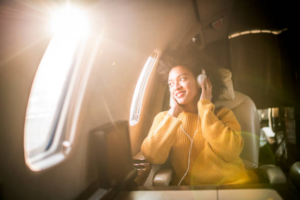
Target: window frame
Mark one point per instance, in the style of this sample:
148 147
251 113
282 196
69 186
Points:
70 105
139 91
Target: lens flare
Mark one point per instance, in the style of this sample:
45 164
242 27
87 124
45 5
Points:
69 21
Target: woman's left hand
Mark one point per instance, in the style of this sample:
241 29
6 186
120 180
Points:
206 89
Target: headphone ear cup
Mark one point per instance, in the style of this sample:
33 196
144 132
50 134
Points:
200 78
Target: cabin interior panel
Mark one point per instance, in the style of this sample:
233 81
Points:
129 32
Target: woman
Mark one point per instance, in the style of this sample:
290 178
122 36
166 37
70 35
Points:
203 143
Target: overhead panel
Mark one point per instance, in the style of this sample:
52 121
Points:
258 15
214 18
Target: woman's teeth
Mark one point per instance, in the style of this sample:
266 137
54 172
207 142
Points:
180 94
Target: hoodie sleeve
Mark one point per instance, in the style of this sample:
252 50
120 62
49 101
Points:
221 130
157 145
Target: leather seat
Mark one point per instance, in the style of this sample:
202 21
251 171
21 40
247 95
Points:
295 174
245 111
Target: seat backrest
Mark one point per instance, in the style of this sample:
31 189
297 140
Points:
245 111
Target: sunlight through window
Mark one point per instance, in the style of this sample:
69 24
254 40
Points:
69 21
51 82
47 89
140 89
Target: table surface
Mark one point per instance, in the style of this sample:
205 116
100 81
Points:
217 194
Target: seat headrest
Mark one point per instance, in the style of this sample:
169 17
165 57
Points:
228 94
239 98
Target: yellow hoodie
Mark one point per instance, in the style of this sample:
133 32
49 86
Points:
216 147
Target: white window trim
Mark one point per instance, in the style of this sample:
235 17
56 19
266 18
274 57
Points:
62 143
138 96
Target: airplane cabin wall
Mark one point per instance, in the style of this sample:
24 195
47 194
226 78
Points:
128 39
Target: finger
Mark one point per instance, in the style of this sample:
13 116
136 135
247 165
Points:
209 83
209 86
204 90
203 86
172 99
175 101
206 83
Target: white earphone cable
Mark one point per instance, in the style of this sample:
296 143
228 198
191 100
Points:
190 150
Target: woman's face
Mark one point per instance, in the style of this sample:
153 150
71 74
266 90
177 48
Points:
183 85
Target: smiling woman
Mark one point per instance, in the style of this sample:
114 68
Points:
203 143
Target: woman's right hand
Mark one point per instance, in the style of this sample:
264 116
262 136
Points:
175 109
206 89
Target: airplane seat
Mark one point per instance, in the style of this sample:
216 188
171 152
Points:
246 113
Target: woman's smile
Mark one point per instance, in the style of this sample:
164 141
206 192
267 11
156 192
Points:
179 94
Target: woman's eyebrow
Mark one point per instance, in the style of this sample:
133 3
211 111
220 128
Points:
181 75
177 77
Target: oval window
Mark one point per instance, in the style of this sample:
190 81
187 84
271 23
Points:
140 89
49 89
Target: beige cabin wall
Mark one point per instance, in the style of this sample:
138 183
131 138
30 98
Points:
128 40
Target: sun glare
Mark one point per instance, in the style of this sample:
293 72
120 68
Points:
47 97
69 21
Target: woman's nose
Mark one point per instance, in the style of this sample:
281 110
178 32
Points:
177 84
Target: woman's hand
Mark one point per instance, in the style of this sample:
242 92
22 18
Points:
206 89
175 109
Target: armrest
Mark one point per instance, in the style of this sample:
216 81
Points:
273 173
143 168
139 158
140 163
295 174
163 177
151 175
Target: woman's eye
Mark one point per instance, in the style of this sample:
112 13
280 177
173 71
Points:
171 84
182 79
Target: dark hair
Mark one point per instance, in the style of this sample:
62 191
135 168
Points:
194 61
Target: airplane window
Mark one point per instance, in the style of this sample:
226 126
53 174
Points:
47 97
255 32
140 89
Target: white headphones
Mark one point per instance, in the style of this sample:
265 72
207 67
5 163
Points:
201 78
